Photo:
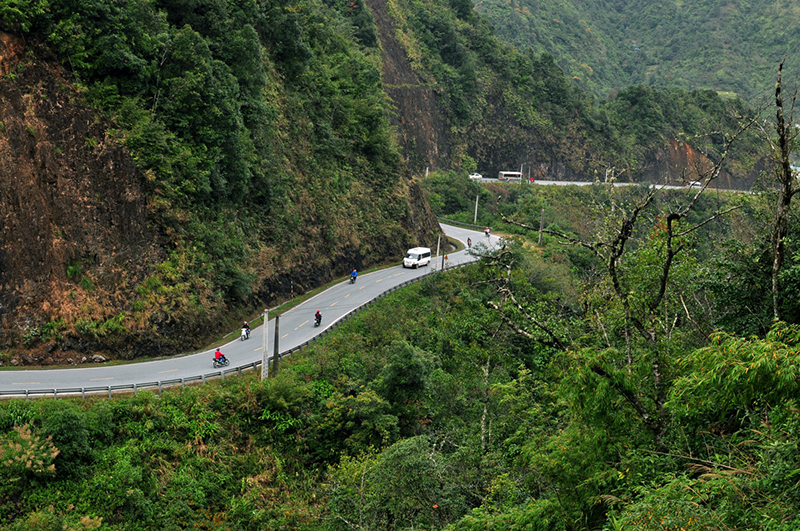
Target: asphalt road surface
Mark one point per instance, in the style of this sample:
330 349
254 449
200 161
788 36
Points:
295 328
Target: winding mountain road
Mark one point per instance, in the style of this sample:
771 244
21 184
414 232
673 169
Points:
296 328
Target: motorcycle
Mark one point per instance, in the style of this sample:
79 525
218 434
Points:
245 333
221 363
352 280
317 320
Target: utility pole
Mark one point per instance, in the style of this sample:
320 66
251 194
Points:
264 351
475 218
275 354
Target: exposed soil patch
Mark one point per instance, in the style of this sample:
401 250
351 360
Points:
75 229
420 124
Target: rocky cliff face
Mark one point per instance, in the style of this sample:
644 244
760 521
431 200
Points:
75 229
681 162
499 143
421 127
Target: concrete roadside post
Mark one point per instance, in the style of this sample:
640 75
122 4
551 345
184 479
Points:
264 351
276 349
437 244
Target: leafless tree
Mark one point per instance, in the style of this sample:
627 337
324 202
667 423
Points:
643 314
782 148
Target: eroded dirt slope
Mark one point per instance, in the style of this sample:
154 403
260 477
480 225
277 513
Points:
421 126
73 213
79 249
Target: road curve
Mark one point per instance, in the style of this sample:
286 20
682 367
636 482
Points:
296 328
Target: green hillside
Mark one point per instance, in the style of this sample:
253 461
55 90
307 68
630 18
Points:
710 44
435 410
262 142
261 134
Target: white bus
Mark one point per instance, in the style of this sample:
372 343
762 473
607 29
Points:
510 176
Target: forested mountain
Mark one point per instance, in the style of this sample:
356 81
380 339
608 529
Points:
169 167
184 163
729 46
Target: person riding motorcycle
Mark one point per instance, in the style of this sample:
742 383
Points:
246 327
353 275
318 317
219 356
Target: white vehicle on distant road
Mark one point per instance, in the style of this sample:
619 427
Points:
510 176
475 176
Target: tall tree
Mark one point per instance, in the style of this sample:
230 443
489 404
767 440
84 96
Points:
787 185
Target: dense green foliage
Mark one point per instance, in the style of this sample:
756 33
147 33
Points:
509 105
435 410
734 255
607 46
261 128
532 391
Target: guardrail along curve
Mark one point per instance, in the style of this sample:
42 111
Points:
202 378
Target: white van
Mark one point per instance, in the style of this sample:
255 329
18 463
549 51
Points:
417 257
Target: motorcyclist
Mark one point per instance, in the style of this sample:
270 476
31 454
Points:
353 275
487 230
469 243
219 356
318 317
246 327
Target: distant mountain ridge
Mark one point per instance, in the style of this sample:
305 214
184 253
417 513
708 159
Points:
724 45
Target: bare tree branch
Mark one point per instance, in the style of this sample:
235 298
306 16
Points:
786 190
709 220
689 316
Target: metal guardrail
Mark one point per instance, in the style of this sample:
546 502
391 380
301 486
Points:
203 378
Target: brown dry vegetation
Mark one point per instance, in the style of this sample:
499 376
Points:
75 237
